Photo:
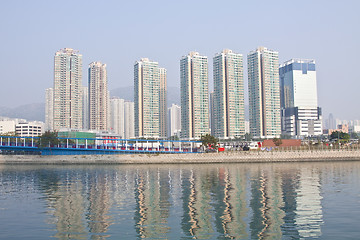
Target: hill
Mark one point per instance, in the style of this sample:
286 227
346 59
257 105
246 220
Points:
30 112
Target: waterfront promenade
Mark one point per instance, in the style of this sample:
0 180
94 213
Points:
223 157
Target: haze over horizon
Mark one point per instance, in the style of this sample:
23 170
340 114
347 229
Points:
119 33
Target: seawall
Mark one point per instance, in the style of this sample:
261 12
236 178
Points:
224 157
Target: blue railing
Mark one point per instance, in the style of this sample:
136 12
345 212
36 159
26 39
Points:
68 146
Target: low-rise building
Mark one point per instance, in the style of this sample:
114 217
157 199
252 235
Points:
29 129
7 127
301 121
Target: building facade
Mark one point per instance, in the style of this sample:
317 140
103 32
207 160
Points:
129 119
264 93
174 120
194 96
122 118
49 109
212 113
98 97
85 97
300 113
149 99
228 105
163 103
29 129
117 116
67 89
7 126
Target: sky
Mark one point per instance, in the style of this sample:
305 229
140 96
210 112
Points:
119 33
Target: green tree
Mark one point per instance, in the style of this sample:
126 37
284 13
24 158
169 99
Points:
248 136
340 136
48 138
354 135
209 141
277 141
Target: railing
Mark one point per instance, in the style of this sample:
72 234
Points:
102 144
305 147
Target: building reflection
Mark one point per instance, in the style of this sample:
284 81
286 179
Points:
98 206
309 217
69 208
223 201
266 204
231 203
290 184
152 192
79 206
197 209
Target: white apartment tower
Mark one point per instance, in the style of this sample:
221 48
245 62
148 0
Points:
122 118
150 99
98 97
129 125
85 91
264 93
300 114
228 99
67 89
163 103
49 109
194 96
174 120
212 113
117 114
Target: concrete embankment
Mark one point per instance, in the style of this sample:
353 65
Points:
225 157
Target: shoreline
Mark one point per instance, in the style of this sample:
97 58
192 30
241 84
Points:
186 158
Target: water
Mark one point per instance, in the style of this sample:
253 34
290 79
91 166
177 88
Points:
222 201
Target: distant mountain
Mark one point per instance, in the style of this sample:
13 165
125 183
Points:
173 96
127 93
30 112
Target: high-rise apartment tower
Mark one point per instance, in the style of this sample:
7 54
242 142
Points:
150 99
122 117
98 97
49 109
194 96
85 97
228 102
264 93
174 120
67 89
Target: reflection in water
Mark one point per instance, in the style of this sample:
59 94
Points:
98 206
309 211
269 201
290 182
188 195
152 194
235 198
67 206
79 205
140 216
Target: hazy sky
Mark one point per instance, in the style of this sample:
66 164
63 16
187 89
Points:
120 32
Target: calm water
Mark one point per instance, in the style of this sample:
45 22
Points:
239 201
